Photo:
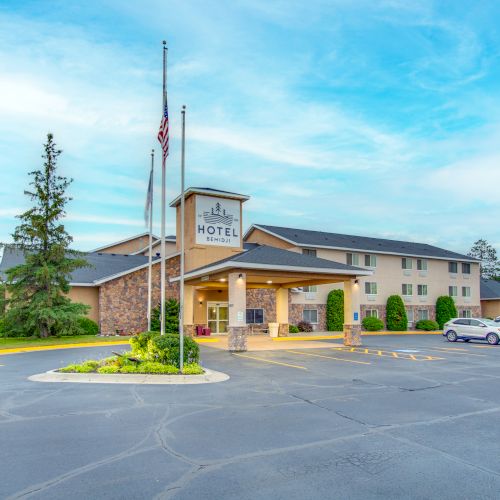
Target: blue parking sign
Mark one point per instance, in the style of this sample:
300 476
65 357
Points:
356 316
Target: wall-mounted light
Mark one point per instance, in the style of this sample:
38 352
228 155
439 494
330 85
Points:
222 279
240 276
356 282
201 302
269 282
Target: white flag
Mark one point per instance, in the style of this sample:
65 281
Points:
149 199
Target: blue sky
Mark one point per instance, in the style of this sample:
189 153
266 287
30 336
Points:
363 117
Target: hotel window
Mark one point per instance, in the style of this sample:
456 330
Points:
466 313
452 267
409 316
421 264
370 260
466 291
310 289
310 315
370 288
406 263
309 251
255 316
423 314
453 291
407 289
352 259
371 313
422 290
465 268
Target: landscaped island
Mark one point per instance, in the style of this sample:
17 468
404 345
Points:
151 353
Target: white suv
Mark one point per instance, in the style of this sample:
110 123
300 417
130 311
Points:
472 329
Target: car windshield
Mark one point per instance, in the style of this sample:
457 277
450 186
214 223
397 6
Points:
489 322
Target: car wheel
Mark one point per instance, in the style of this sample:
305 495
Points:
492 338
451 336
466 340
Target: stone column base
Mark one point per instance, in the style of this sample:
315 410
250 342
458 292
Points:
283 330
189 330
237 338
352 335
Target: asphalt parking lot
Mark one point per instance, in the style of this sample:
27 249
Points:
402 417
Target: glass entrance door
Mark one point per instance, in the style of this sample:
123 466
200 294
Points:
218 316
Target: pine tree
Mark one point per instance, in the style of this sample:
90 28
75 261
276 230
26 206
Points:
487 254
37 289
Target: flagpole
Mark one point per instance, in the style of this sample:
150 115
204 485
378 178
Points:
163 207
181 309
150 260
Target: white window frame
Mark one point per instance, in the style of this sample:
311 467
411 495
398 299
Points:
312 252
422 264
407 263
369 313
257 309
450 265
426 311
369 285
372 260
310 288
469 267
422 288
409 287
354 257
308 321
466 313
466 291
455 288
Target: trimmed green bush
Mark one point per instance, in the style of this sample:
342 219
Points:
166 349
129 369
335 311
87 326
193 369
157 368
427 324
108 369
2 328
86 367
172 308
293 329
445 310
139 343
396 318
304 326
372 324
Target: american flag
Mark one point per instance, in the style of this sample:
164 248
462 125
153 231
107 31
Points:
163 132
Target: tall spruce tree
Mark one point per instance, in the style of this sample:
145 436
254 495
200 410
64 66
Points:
487 254
37 303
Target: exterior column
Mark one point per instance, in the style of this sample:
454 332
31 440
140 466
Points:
352 320
282 311
189 310
237 296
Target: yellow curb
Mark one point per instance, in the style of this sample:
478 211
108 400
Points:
363 334
16 350
412 332
206 341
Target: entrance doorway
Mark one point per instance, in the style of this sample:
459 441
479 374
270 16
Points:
218 316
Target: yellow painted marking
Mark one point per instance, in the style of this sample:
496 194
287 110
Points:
395 354
205 341
330 357
380 353
16 350
311 337
412 332
398 355
270 361
413 357
483 346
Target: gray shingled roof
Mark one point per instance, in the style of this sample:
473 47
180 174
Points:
308 238
490 289
266 255
102 265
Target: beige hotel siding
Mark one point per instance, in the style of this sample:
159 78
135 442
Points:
87 295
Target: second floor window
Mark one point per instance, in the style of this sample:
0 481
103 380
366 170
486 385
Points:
452 267
422 290
421 264
370 288
309 251
352 259
406 263
466 291
465 268
452 291
310 289
370 260
407 289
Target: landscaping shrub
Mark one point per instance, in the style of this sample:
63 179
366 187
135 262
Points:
2 328
87 326
139 343
293 329
192 369
108 369
427 324
335 311
157 368
304 326
172 308
396 314
165 349
129 369
372 324
445 310
86 367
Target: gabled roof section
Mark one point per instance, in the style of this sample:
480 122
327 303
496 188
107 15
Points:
209 192
168 239
320 239
490 289
272 258
102 266
142 235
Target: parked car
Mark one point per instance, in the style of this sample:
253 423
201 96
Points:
472 329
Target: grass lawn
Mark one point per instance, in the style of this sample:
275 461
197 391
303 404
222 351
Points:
9 343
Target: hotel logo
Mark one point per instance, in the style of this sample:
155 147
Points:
217 221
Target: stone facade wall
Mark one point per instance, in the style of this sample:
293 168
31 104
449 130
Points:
262 298
123 301
295 314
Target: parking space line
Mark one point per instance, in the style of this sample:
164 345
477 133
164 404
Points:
330 357
450 350
270 361
389 354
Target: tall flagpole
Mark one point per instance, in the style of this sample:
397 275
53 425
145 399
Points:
181 309
150 260
163 207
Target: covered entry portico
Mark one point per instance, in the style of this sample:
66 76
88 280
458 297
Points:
262 267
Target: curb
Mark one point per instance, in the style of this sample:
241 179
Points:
16 350
209 377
